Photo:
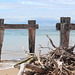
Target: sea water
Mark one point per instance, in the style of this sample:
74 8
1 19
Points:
16 41
6 65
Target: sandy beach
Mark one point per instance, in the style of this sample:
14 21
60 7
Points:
6 67
12 71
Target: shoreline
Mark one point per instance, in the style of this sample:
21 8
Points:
6 67
10 61
7 64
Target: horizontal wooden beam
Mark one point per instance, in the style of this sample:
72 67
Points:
19 26
71 26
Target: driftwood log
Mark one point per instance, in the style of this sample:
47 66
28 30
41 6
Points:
32 67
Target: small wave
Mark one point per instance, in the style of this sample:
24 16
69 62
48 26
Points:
6 65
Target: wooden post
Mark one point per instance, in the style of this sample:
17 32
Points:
32 36
1 35
64 31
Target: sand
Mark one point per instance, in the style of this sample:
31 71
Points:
13 71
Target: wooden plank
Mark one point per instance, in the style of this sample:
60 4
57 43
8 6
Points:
32 37
64 32
1 36
19 26
72 26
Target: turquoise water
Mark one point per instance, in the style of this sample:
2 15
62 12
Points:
14 40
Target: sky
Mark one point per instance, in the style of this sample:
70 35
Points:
43 11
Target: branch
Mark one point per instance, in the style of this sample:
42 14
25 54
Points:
71 48
44 47
56 71
22 62
51 41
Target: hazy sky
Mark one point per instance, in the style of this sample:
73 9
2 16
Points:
22 10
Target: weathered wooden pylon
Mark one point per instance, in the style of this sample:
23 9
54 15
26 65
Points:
65 26
31 26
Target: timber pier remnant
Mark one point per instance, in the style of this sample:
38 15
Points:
65 26
31 26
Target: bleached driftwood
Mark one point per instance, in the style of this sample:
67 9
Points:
60 61
23 66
